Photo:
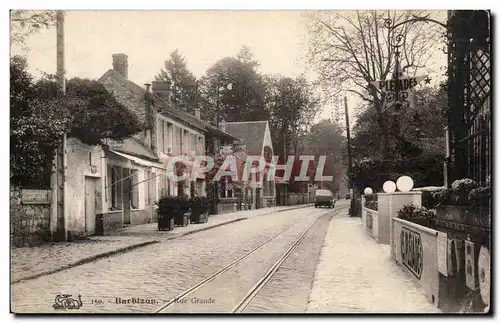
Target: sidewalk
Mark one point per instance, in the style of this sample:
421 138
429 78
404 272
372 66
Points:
151 229
29 263
355 274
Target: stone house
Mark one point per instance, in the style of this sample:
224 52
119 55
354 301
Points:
117 184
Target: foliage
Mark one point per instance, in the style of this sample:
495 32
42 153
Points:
182 82
418 215
421 128
351 49
371 201
325 138
171 205
292 106
244 100
199 204
37 126
25 22
425 171
40 117
463 192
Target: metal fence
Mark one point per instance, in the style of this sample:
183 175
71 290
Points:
469 93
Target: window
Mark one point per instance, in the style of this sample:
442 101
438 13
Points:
152 188
135 188
161 135
165 137
147 198
116 188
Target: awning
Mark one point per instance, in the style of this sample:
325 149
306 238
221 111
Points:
137 160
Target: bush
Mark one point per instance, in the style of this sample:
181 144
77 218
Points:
199 204
464 192
418 215
371 201
172 205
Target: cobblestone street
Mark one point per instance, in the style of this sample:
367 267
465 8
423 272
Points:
158 272
336 268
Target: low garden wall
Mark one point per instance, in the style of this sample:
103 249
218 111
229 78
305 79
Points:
371 222
414 248
29 217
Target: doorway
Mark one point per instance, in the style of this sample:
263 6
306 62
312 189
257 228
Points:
90 204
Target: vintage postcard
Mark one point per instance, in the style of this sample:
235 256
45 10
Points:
229 161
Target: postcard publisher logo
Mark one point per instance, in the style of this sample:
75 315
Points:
67 302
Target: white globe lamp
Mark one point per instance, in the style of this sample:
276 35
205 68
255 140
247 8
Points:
389 187
368 191
404 183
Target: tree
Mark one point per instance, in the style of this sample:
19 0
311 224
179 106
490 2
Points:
325 138
244 100
292 106
421 127
182 82
40 117
350 50
25 22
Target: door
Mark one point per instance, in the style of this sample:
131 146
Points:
90 202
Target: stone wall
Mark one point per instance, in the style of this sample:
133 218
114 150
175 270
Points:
29 222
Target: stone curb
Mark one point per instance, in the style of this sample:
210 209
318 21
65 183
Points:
204 229
86 260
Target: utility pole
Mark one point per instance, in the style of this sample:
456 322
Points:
61 231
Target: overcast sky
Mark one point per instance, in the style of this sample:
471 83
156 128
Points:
277 39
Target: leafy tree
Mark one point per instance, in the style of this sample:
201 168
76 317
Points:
25 22
234 90
182 82
421 127
352 49
40 117
325 138
292 106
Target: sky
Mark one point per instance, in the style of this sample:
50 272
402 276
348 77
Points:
278 40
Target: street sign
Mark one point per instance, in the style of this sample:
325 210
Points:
404 84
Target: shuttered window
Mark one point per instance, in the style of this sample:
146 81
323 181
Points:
135 188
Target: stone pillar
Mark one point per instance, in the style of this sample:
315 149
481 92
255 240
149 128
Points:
388 206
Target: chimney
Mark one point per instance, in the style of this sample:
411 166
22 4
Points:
150 133
162 89
120 64
197 113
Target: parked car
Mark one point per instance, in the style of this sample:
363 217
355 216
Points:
323 198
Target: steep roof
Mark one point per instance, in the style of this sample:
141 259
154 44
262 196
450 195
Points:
166 108
251 132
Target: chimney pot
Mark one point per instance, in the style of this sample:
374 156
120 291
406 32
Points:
120 64
148 87
197 113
